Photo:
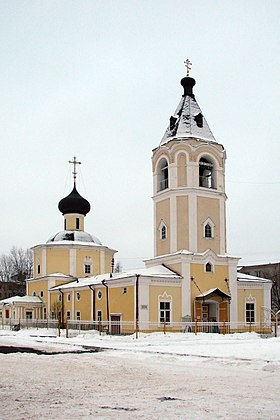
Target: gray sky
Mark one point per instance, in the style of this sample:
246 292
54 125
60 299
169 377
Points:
100 79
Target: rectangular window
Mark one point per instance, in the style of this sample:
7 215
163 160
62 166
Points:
45 313
78 316
87 268
250 313
99 316
77 223
68 315
124 290
38 269
164 315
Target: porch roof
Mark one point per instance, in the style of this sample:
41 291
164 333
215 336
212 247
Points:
16 300
215 291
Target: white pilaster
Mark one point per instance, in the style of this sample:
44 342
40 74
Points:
44 262
173 223
233 292
186 289
72 262
102 261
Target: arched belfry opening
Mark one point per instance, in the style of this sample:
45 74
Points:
206 173
163 181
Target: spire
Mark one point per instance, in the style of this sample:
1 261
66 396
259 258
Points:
188 120
74 202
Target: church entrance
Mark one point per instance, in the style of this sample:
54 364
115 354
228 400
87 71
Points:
211 308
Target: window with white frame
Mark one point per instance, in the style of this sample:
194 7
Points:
250 312
208 229
99 316
99 295
87 265
78 296
68 297
78 315
162 230
68 315
162 174
164 312
59 297
124 290
206 173
208 267
87 268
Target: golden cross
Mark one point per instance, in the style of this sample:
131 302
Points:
188 65
74 162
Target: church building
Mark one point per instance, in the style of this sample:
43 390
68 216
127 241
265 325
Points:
191 277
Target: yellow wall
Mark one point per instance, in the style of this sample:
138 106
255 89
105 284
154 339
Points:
80 262
182 170
206 281
174 292
122 303
58 261
259 303
163 213
183 223
208 208
71 221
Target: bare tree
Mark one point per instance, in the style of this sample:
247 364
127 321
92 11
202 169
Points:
118 268
17 265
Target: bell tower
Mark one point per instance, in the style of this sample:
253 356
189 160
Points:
189 182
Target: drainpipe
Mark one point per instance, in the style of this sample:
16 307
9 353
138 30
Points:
137 305
62 308
107 300
93 303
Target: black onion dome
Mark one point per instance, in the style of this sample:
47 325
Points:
74 203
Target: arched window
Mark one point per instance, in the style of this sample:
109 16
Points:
206 173
208 228
208 267
162 174
162 230
208 231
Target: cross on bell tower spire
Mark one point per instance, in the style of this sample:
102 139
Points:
188 65
74 162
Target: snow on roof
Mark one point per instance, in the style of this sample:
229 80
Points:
188 121
20 299
73 243
158 271
214 290
247 278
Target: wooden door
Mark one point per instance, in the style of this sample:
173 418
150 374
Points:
115 324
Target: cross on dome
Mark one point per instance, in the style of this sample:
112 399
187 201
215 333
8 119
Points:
74 162
188 65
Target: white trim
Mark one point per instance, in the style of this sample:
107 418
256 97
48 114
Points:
72 261
252 300
102 261
209 222
186 289
161 225
173 223
165 298
44 262
223 244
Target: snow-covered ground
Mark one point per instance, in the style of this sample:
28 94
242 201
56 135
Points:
185 376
